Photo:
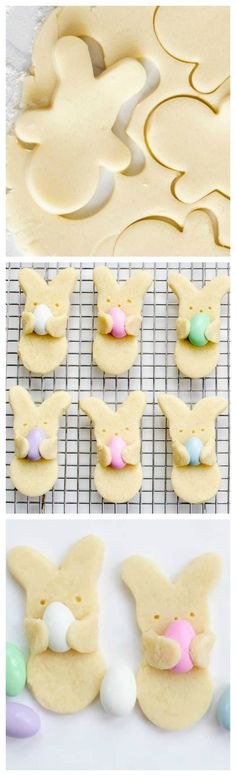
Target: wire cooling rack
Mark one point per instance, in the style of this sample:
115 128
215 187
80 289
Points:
153 372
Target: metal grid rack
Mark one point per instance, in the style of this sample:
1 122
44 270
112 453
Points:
153 372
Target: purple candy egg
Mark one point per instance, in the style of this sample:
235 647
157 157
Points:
35 437
21 720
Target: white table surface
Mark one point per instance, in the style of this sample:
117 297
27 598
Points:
91 739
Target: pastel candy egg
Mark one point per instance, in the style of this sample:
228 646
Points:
118 691
21 720
118 317
117 445
15 670
41 316
58 618
35 437
194 447
223 709
198 325
182 632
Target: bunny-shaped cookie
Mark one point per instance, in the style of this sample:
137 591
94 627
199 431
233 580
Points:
74 138
198 324
195 475
43 343
118 474
119 319
34 467
171 695
67 681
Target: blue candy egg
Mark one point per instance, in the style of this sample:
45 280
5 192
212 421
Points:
223 709
194 447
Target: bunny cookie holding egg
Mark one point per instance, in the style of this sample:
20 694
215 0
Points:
34 467
118 474
43 342
195 475
198 324
119 319
65 667
173 684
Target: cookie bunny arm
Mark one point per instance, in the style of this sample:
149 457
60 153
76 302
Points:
181 455
21 446
104 454
30 126
105 323
182 328
212 332
200 649
48 448
132 325
131 453
28 323
56 325
208 453
160 652
82 634
37 635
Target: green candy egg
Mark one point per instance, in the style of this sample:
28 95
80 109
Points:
198 326
15 670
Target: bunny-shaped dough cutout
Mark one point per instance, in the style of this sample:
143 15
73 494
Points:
198 34
201 305
63 682
43 342
118 474
187 135
119 318
34 467
74 138
195 474
171 700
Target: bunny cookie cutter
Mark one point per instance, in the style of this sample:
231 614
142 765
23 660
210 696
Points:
118 474
198 324
67 681
34 467
119 318
174 688
195 474
43 342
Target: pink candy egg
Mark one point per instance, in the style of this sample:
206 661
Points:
117 445
182 632
118 317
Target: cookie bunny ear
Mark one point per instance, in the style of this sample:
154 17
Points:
26 565
142 576
139 283
20 400
95 408
31 282
57 403
180 284
209 407
201 574
86 556
171 405
104 280
134 405
65 281
218 287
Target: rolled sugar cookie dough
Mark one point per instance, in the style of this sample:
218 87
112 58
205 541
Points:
115 347
43 342
118 473
62 682
198 480
34 467
198 306
42 215
170 700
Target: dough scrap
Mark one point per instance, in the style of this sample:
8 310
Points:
115 356
121 32
34 478
197 34
117 485
43 354
62 682
190 360
187 135
193 484
171 701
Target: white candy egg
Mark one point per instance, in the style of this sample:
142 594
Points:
41 316
58 617
118 690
